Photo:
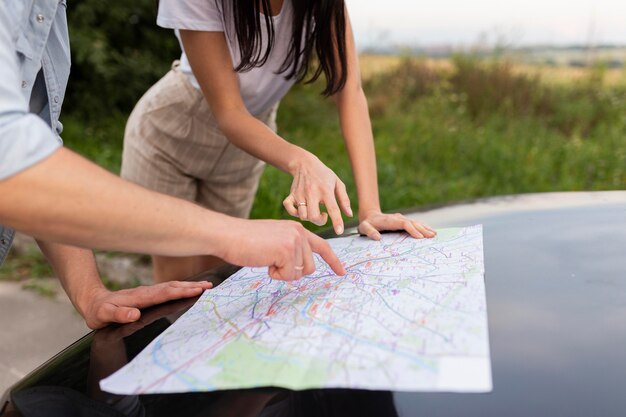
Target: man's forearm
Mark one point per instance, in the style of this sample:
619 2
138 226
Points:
80 204
76 269
70 200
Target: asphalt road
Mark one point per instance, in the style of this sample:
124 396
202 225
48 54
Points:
32 330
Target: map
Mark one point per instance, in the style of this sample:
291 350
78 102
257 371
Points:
410 315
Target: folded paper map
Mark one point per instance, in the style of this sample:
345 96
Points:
410 315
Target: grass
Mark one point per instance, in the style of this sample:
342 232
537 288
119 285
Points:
468 129
27 265
100 139
24 264
446 131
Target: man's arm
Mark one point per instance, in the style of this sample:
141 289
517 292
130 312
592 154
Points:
67 199
76 269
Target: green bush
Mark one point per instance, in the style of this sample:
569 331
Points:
118 52
494 86
411 80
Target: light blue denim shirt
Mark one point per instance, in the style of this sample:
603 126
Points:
34 68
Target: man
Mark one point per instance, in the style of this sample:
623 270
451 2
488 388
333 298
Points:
61 199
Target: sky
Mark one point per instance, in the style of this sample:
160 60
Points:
463 22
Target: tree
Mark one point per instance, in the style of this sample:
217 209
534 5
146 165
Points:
118 52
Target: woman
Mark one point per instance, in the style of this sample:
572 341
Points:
202 132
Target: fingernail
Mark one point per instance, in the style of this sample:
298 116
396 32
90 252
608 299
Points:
350 211
339 229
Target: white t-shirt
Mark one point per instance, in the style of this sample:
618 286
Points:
261 88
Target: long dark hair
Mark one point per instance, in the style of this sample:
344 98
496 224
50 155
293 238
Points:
319 31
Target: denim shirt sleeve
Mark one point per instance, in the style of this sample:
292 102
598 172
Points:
25 139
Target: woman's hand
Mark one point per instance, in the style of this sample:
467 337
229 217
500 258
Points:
314 184
374 222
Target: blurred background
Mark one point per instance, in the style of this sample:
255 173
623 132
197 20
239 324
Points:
468 99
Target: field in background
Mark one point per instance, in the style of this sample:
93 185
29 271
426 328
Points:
461 128
373 65
445 130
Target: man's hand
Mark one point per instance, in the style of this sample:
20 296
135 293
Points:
286 247
103 307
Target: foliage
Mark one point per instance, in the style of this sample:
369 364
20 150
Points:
117 53
495 87
100 139
409 81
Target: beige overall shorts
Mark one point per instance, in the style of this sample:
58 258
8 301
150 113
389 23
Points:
172 145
